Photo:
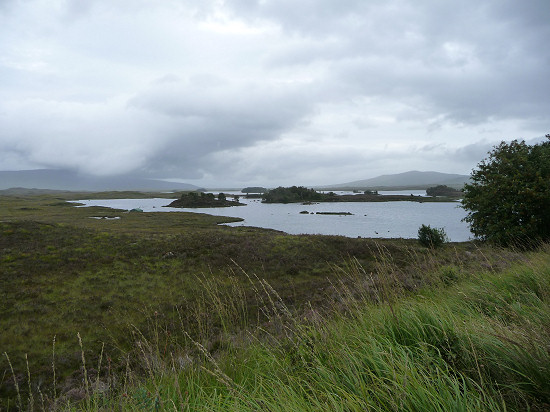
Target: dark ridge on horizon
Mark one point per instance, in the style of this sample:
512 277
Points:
54 179
407 180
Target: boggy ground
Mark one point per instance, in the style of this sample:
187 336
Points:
115 281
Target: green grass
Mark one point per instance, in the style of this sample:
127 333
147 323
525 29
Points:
481 344
192 306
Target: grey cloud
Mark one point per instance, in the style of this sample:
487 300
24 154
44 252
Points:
86 137
6 5
469 61
75 9
473 152
255 109
207 114
466 154
309 17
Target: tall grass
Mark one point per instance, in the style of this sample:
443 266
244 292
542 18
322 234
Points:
462 342
480 344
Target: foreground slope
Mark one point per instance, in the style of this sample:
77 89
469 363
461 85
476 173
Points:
474 343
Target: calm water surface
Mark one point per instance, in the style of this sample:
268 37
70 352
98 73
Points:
383 219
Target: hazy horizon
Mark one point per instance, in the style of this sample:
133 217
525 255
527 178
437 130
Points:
68 180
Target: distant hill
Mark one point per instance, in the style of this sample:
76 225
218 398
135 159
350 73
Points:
25 191
407 180
66 180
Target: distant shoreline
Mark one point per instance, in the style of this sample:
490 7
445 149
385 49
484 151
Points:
378 198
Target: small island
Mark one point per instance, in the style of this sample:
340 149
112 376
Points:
254 190
335 213
196 199
294 194
443 190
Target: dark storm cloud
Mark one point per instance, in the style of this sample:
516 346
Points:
209 114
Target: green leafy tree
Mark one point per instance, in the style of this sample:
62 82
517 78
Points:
508 199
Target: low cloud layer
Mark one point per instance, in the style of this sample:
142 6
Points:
269 92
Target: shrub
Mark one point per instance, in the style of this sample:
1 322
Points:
431 237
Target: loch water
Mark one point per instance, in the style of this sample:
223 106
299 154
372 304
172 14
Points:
367 219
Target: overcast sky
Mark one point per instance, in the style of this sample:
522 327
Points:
268 92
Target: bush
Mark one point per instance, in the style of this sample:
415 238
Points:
432 237
508 198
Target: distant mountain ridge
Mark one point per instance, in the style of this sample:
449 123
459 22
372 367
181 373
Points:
407 180
53 179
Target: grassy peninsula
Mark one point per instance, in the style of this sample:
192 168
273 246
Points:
169 311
